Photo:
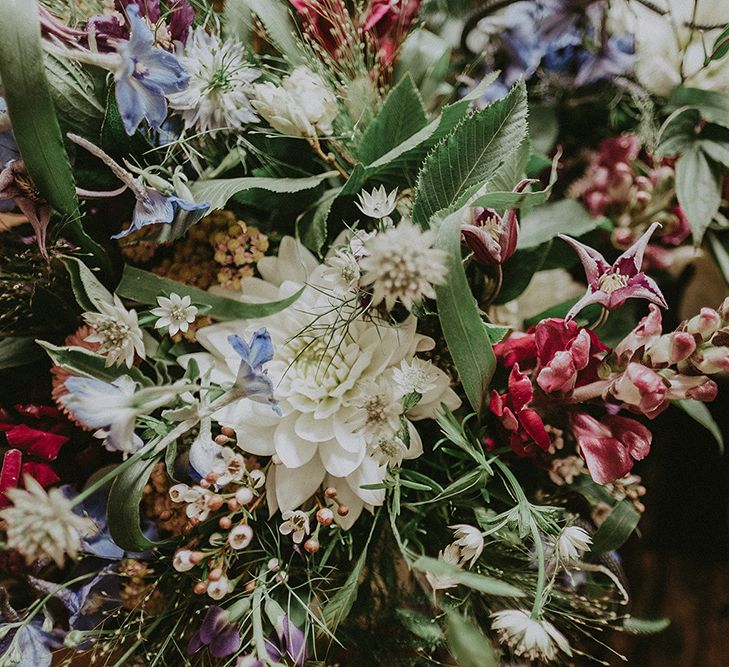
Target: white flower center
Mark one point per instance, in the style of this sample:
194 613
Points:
609 282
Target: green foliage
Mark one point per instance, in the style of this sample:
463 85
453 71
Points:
545 222
465 161
720 48
280 28
645 626
616 528
472 580
18 351
87 289
698 188
311 227
520 269
468 645
425 57
701 415
460 319
713 105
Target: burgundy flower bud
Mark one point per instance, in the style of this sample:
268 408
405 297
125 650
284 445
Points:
706 323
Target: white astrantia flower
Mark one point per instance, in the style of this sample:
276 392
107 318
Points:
469 540
296 524
327 432
175 313
401 265
571 543
301 106
42 525
452 556
343 272
534 639
377 204
388 450
415 376
117 331
220 79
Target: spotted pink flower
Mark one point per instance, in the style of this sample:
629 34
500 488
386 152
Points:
612 285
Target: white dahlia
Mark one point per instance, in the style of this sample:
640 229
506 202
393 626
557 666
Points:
336 386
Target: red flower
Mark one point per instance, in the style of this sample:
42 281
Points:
610 446
388 21
325 21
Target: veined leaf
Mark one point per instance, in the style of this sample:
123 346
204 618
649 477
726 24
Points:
144 287
87 288
467 644
473 580
713 105
400 117
18 351
698 188
701 415
678 131
311 227
217 192
425 57
544 222
617 527
466 159
460 319
280 28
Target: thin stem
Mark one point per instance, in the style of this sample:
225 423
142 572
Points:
539 591
327 157
259 640
604 314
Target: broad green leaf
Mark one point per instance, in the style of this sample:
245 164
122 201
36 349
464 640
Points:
80 361
719 245
217 192
421 626
467 644
425 57
472 580
520 269
460 319
400 117
544 222
122 511
698 187
645 626
311 227
543 127
678 131
18 351
713 105
280 28
616 528
237 20
34 120
468 157
144 287
701 415
717 151
87 289
510 171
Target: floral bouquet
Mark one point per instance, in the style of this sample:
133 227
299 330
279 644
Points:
331 330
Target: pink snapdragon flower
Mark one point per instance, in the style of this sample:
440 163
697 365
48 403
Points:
612 285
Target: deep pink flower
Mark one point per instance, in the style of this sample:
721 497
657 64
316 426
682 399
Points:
612 286
519 348
610 446
388 21
516 416
644 335
493 238
326 22
641 389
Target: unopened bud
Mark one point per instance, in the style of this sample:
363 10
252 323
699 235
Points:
215 574
200 588
311 545
342 510
330 492
225 522
325 516
244 495
706 323
215 502
221 439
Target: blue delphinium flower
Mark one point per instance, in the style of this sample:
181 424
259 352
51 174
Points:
144 76
251 376
29 645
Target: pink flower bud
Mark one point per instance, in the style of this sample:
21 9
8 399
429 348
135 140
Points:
712 360
642 389
724 309
672 348
644 335
706 323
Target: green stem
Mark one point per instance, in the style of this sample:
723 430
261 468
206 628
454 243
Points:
539 592
258 638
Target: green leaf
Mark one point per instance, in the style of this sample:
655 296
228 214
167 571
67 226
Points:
721 46
217 192
122 511
678 131
543 127
713 105
701 415
17 351
421 626
645 626
719 245
717 151
460 319
400 116
698 188
311 227
472 580
467 644
425 57
520 269
144 287
467 158
544 222
280 28
80 361
87 289
33 117
616 528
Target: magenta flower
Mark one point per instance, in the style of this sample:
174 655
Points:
612 286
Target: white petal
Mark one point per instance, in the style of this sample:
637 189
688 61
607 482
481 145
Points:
293 450
337 461
294 486
314 430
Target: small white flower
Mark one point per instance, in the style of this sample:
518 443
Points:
258 477
117 331
244 495
534 639
230 467
220 588
388 451
469 540
296 522
197 503
415 376
177 492
301 106
377 204
220 78
343 272
379 411
181 562
401 265
451 555
572 542
175 313
240 536
43 525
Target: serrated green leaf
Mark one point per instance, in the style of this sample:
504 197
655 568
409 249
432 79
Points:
280 28
144 287
18 351
468 157
460 319
701 415
217 192
472 580
616 528
645 626
400 117
698 188
425 57
467 644
87 288
122 511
